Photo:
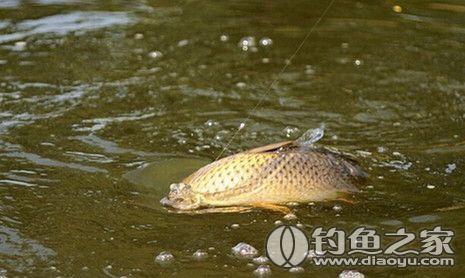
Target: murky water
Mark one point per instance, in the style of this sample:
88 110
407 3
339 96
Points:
104 103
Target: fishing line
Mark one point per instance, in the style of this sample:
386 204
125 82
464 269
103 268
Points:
275 81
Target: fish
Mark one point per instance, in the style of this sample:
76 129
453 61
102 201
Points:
269 177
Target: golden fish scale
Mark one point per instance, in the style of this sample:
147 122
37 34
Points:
271 177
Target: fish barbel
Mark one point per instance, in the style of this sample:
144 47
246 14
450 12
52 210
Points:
263 177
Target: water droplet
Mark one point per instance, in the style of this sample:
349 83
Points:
266 41
358 62
262 270
224 38
244 250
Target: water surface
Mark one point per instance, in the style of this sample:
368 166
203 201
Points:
104 103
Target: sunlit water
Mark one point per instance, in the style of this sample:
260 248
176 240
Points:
104 103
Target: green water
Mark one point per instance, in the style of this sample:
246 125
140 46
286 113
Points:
87 101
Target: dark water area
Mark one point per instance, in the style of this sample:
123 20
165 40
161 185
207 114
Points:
103 104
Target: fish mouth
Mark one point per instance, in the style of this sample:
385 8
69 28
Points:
178 205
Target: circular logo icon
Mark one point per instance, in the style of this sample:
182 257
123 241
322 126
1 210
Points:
287 246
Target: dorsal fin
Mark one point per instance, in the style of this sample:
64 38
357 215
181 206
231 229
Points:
272 147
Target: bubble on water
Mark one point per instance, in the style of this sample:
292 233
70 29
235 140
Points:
310 70
20 46
337 208
155 54
351 274
296 269
262 270
265 60
164 257
313 254
345 45
427 169
266 41
278 222
183 43
211 123
200 255
358 62
397 154
85 268
138 36
292 204
401 165
235 226
241 85
241 126
246 43
450 168
290 216
429 186
260 260
244 250
224 38
381 149
290 131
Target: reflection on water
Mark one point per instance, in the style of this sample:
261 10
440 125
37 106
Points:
104 104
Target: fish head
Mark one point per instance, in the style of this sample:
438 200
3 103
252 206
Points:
182 197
